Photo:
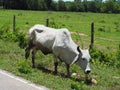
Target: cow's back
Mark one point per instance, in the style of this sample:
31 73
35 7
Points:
43 37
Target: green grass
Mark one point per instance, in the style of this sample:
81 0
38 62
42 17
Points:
75 22
12 57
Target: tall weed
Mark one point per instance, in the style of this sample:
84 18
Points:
21 39
5 33
106 58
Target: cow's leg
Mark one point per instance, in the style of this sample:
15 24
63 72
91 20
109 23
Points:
33 57
55 65
68 72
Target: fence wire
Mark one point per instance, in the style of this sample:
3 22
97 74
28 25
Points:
84 34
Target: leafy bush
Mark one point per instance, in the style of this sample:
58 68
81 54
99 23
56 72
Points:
5 33
53 24
24 67
17 36
21 39
105 58
102 29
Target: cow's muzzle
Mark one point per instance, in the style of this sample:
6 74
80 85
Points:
87 71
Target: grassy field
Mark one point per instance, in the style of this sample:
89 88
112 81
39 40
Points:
107 38
107 26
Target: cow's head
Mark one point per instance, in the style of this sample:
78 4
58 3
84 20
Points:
84 59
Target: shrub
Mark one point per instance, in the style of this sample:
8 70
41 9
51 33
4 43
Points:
102 29
24 67
21 39
53 24
104 57
5 33
17 36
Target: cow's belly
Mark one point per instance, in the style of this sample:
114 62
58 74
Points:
44 50
45 42
64 54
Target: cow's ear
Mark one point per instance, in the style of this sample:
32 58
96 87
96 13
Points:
78 49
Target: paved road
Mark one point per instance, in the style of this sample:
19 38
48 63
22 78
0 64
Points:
9 81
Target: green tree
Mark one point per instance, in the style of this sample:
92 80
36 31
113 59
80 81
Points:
72 6
42 5
54 6
116 7
78 5
61 5
109 6
48 3
15 4
94 6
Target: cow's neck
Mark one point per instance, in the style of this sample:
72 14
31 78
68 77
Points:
78 55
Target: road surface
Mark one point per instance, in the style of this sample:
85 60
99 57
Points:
9 81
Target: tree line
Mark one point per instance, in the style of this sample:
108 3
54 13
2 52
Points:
109 6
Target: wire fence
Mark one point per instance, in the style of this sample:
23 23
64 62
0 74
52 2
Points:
26 22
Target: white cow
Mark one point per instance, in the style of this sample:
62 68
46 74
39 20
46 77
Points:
60 43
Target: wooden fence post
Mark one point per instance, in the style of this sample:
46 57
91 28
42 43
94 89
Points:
47 22
92 33
14 23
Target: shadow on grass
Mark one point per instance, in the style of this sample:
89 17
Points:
45 70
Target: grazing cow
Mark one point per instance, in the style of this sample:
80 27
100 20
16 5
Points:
60 44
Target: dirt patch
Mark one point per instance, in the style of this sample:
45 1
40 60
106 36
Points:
115 77
80 34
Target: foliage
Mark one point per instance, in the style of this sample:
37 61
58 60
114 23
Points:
6 34
102 29
117 27
104 57
16 36
118 57
109 6
21 39
11 56
61 5
24 67
54 25
78 86
12 60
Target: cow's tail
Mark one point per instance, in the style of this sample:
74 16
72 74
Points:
28 48
30 44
